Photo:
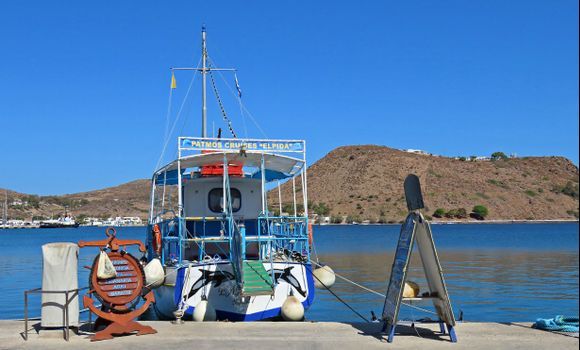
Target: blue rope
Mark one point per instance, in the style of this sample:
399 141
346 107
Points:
558 324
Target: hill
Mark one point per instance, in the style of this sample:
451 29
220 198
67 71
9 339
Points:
130 199
365 183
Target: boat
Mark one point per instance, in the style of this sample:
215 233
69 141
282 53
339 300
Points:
223 246
62 222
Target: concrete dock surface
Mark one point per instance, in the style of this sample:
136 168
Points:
299 335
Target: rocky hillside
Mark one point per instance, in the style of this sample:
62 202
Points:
366 183
130 199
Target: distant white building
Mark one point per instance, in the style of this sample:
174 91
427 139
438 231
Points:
418 151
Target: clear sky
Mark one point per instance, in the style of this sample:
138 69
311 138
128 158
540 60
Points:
84 85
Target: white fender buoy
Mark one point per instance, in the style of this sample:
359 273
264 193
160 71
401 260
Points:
324 276
204 312
292 309
411 290
154 273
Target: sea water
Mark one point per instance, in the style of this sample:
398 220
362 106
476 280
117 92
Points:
494 272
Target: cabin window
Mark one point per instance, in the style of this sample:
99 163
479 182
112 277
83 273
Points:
216 199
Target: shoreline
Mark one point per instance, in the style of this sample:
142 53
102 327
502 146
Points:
450 222
464 222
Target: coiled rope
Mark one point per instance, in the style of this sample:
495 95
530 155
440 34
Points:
558 324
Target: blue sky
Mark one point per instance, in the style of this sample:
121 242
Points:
84 86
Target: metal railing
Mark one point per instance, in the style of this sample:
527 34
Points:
73 293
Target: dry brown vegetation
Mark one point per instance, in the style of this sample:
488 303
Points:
365 182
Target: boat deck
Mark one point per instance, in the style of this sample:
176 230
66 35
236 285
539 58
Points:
300 335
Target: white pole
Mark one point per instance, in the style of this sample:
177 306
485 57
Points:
263 185
305 185
203 84
294 192
225 173
152 199
164 185
280 197
179 190
305 192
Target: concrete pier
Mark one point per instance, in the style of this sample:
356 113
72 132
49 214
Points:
300 335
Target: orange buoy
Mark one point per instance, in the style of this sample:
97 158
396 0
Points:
156 239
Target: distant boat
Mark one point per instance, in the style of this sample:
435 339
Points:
65 222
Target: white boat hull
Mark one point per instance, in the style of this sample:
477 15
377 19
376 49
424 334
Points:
216 282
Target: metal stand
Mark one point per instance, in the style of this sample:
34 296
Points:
416 230
390 331
69 295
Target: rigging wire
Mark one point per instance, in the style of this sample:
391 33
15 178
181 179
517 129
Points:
219 100
168 114
242 106
338 298
375 292
165 143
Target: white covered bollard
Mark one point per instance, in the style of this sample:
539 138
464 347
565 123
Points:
59 273
324 277
411 290
204 312
154 273
292 309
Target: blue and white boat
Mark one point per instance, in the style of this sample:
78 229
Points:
223 246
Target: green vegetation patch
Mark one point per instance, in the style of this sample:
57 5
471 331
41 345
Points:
570 189
530 193
434 174
482 195
498 183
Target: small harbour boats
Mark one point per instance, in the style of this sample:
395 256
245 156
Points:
62 222
226 252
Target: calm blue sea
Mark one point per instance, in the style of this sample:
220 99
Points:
494 272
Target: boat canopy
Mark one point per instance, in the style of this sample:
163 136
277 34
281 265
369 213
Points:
276 166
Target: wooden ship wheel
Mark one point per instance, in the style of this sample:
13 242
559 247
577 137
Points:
118 295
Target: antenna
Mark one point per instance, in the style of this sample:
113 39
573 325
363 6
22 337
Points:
204 70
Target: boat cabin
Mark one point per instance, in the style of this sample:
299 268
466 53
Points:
212 201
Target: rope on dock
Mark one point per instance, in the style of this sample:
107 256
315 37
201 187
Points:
558 324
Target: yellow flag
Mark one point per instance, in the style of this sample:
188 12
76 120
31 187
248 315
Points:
173 82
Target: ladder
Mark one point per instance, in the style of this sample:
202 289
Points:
256 280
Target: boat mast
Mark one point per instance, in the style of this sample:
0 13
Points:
204 70
203 84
